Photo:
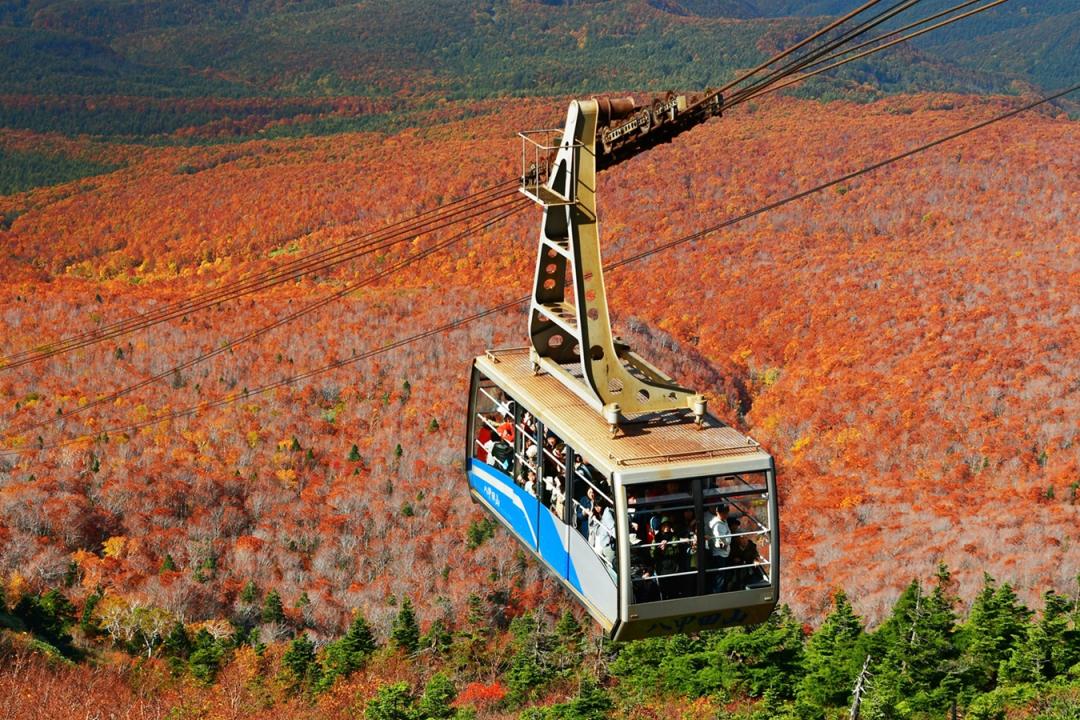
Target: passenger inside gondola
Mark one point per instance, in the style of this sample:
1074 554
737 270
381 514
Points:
583 509
746 560
483 442
530 482
718 536
645 585
505 429
602 532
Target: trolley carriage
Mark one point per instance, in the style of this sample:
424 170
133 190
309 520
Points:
665 467
610 473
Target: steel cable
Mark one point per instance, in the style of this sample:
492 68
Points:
804 76
229 345
342 362
319 261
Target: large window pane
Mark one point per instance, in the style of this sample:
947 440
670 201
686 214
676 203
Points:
698 536
664 532
493 427
736 506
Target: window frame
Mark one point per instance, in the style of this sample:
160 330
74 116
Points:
737 497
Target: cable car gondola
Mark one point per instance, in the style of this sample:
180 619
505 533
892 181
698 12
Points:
655 515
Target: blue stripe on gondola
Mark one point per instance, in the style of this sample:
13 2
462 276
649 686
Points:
533 523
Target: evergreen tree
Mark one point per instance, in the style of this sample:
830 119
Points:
695 666
1049 649
639 664
471 641
177 643
405 631
207 656
348 654
249 593
591 703
272 610
434 704
438 638
299 661
529 671
996 624
168 564
86 620
49 616
834 655
765 657
919 669
568 639
391 702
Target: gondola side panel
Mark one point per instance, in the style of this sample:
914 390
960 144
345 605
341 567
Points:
567 555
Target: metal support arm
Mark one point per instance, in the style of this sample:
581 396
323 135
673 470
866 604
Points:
569 325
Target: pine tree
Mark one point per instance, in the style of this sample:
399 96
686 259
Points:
391 702
529 671
568 637
471 641
272 610
299 661
177 643
86 620
919 669
833 658
49 616
207 657
765 657
591 703
348 654
405 631
435 703
249 593
438 638
996 624
1049 649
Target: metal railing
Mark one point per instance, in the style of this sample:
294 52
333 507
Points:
539 154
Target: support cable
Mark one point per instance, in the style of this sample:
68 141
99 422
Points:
871 51
897 31
802 43
812 55
455 324
514 204
344 251
319 261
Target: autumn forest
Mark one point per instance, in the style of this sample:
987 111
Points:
233 498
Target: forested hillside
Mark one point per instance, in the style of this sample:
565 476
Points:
257 506
180 70
902 344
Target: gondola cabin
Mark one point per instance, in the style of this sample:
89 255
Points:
629 525
655 515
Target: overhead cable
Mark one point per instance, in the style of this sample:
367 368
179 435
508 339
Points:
342 362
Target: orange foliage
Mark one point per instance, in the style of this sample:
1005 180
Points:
905 345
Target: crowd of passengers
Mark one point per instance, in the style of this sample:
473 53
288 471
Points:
664 543
542 474
664 555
